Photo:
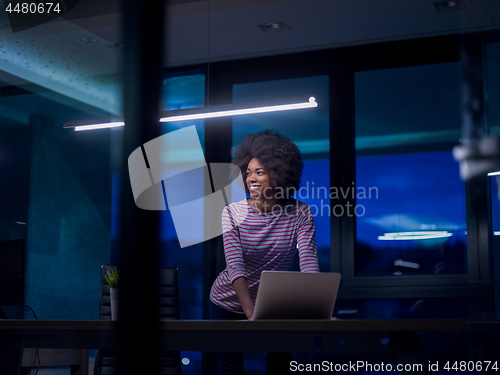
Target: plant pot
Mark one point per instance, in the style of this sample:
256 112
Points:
113 294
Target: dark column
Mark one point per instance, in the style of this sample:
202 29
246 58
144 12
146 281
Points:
342 161
139 248
474 131
218 141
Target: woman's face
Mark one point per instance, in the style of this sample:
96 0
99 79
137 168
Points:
258 180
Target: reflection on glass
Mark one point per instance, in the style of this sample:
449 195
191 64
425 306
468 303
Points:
414 222
309 130
181 92
58 195
62 186
413 219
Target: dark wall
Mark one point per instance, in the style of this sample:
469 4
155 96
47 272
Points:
69 221
56 194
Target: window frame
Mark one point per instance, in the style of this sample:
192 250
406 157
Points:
340 65
412 53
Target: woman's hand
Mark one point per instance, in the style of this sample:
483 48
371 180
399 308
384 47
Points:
249 313
241 288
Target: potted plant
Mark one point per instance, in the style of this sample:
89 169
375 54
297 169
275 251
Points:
112 277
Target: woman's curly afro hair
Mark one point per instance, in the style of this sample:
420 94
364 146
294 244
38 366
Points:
277 153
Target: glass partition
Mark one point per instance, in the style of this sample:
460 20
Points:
59 196
185 91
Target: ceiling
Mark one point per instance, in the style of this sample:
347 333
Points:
77 56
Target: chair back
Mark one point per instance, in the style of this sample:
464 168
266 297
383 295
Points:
168 293
105 300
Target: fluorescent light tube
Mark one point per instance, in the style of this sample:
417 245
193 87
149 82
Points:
234 109
237 109
99 126
95 123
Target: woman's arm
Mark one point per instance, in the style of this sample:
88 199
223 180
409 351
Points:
235 261
243 294
306 242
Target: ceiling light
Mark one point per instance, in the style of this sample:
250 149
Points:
448 5
96 123
273 25
270 27
234 109
100 126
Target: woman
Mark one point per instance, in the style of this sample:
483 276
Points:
263 231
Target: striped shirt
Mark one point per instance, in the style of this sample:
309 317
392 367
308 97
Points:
256 242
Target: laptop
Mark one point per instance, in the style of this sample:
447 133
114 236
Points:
296 295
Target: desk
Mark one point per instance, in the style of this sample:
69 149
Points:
200 335
363 336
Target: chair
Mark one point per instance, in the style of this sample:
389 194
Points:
170 362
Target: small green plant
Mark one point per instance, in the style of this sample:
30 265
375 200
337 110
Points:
112 277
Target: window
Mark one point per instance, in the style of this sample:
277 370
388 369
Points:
413 220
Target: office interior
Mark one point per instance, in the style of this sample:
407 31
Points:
393 82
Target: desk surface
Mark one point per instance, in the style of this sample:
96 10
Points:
245 325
